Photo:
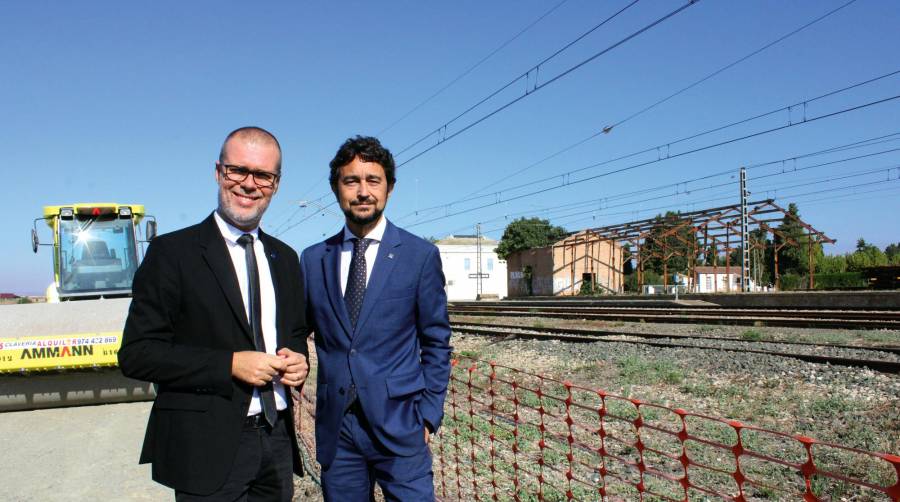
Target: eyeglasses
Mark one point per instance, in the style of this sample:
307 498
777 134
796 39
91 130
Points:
263 179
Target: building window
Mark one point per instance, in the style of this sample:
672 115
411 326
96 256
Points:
467 264
708 282
490 265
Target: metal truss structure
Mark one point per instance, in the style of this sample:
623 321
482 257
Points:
717 231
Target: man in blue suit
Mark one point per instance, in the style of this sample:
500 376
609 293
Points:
376 301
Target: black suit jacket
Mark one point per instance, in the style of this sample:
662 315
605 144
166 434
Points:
186 320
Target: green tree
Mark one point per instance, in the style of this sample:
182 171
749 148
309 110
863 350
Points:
760 257
710 256
832 264
892 251
528 233
866 255
668 249
627 263
793 258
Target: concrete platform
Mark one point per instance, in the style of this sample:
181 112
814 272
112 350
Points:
613 301
858 300
852 300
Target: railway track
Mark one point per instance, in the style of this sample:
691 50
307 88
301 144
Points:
692 342
839 319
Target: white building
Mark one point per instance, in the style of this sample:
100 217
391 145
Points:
459 256
716 280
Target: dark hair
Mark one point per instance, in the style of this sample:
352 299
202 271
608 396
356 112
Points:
251 134
368 149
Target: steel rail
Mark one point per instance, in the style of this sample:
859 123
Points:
664 316
600 333
579 336
689 302
721 311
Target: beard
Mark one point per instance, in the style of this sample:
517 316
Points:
363 220
240 217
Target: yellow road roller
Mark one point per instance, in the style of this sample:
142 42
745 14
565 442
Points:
64 352
96 248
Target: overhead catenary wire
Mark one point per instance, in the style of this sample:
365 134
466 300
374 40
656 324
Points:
885 192
593 216
895 136
668 157
728 172
666 146
776 196
770 194
693 204
319 210
861 143
496 194
311 187
274 228
512 82
441 131
726 67
470 69
607 129
851 145
828 179
318 206
877 140
278 227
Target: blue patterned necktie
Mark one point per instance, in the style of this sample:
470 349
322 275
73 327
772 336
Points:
356 279
266 393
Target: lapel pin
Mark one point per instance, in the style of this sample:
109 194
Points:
390 255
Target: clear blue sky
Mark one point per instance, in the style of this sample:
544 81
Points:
129 101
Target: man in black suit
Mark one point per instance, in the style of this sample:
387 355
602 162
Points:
217 322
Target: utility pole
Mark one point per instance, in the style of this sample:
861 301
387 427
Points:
745 235
478 289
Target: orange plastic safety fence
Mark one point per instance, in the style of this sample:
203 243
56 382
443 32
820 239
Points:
512 435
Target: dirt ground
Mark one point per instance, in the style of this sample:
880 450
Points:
79 453
85 453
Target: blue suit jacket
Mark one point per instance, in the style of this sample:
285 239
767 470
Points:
399 353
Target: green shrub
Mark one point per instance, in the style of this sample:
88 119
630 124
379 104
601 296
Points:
650 277
831 264
590 289
840 280
635 370
792 282
837 280
631 283
751 335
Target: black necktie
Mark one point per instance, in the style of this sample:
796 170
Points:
266 394
356 280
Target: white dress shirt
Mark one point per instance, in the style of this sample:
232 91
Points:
266 296
376 235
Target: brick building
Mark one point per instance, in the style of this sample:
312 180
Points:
581 260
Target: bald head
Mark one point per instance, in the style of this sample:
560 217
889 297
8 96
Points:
250 135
